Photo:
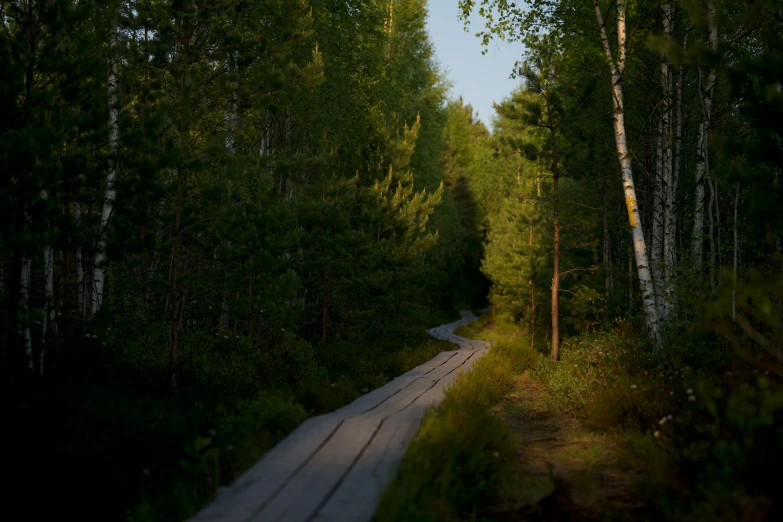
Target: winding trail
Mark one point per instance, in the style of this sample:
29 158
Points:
335 467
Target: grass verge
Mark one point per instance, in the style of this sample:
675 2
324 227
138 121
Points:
462 451
609 432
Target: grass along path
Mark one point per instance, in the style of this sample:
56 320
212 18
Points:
335 466
562 470
516 439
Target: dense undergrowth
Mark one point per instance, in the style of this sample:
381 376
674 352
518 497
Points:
110 440
701 427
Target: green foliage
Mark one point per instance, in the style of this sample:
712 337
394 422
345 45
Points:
461 453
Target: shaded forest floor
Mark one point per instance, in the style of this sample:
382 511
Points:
104 436
563 471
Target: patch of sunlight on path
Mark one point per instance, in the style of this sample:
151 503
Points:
335 467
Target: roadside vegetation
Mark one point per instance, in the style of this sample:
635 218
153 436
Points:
608 432
126 448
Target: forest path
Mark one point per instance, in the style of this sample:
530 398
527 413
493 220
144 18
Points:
336 466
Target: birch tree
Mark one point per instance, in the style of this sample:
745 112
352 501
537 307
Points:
617 69
707 91
662 205
98 278
525 24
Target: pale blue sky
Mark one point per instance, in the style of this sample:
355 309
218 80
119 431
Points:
480 79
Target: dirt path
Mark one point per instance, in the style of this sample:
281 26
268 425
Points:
335 467
564 472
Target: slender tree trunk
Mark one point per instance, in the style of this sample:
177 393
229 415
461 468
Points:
556 252
232 124
712 234
49 304
530 282
656 228
99 265
266 139
80 290
718 250
663 204
182 179
671 232
736 256
12 356
67 281
532 315
607 261
646 283
706 94
26 279
49 323
630 274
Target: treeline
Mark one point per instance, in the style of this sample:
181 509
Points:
636 214
670 127
263 170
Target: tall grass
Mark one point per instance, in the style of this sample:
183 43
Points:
462 451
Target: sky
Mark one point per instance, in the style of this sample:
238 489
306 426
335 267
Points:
480 79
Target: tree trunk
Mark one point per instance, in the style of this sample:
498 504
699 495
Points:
48 308
663 285
656 228
670 225
99 265
80 290
26 278
182 179
718 250
176 253
607 257
646 283
556 252
736 257
49 324
67 281
712 234
706 94
12 352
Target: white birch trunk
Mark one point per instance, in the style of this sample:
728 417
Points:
646 283
77 213
26 278
266 139
656 228
99 266
663 283
48 316
707 91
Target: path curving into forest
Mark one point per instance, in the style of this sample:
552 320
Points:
335 467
